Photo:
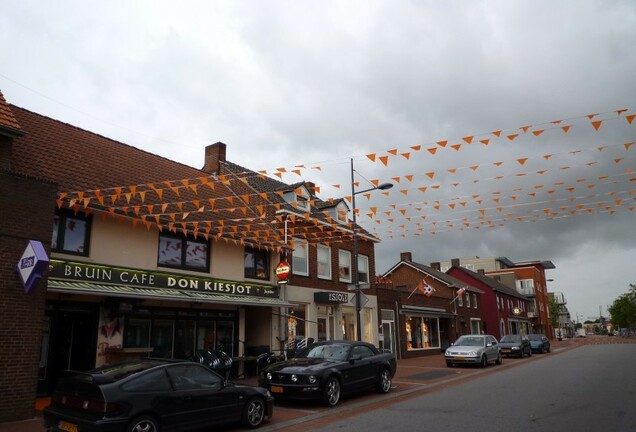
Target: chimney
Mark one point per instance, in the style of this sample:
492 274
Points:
436 266
455 262
481 272
214 155
406 256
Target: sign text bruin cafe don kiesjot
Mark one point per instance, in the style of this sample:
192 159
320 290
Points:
81 272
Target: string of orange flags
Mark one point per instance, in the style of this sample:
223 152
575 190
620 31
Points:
223 213
129 193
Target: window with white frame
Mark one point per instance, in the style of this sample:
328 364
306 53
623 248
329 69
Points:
300 258
460 300
467 300
303 202
344 265
474 300
363 269
324 261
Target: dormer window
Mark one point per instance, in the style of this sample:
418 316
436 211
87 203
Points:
303 202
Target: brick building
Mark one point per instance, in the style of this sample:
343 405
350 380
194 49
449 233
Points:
423 310
153 257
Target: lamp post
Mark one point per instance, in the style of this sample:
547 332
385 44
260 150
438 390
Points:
356 276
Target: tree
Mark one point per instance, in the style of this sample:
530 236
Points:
553 308
623 310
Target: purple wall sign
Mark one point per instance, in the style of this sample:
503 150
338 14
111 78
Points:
32 265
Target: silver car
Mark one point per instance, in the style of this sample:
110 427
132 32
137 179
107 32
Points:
473 349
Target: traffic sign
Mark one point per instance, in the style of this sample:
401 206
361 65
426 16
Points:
363 300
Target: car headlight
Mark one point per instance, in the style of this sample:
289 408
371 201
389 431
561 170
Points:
268 376
312 379
473 353
515 348
294 378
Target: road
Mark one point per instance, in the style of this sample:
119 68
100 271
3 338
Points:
590 388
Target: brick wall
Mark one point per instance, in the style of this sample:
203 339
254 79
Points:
26 212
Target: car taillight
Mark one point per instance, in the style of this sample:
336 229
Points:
96 406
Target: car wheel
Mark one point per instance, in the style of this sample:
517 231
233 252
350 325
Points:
144 423
484 361
384 383
253 413
331 392
449 364
499 359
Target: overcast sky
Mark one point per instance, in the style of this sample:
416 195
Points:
318 83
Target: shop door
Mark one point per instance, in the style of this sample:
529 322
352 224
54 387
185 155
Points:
72 346
388 332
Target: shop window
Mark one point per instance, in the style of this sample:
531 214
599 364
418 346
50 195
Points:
256 263
137 333
183 253
422 333
324 261
161 338
344 265
71 233
363 269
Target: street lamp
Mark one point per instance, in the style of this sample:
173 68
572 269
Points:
356 276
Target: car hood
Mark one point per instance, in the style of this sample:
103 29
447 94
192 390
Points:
300 365
464 348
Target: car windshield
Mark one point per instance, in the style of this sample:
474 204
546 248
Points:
333 352
511 338
470 341
535 337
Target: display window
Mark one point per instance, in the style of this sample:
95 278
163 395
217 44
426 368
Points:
422 333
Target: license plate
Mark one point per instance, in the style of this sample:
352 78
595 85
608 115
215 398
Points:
505 351
276 389
68 427
460 358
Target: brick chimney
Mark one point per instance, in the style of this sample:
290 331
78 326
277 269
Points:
406 256
214 155
455 262
481 272
436 266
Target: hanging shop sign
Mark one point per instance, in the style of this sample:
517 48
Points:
331 297
32 265
82 272
282 271
516 311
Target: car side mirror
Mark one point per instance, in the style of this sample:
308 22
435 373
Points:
489 344
355 358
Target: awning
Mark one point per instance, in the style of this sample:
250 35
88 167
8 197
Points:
128 291
426 311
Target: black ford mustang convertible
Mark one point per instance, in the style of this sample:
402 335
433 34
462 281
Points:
327 370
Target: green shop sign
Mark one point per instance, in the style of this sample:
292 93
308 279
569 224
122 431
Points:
82 272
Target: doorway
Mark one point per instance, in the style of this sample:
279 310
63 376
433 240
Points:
72 344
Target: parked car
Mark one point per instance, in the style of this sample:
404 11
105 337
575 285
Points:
473 349
153 396
328 370
539 343
515 345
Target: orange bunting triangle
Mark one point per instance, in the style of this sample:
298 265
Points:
371 157
522 161
384 160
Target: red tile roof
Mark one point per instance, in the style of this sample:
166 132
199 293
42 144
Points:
7 119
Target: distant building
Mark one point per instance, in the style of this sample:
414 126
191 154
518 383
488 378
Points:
527 277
